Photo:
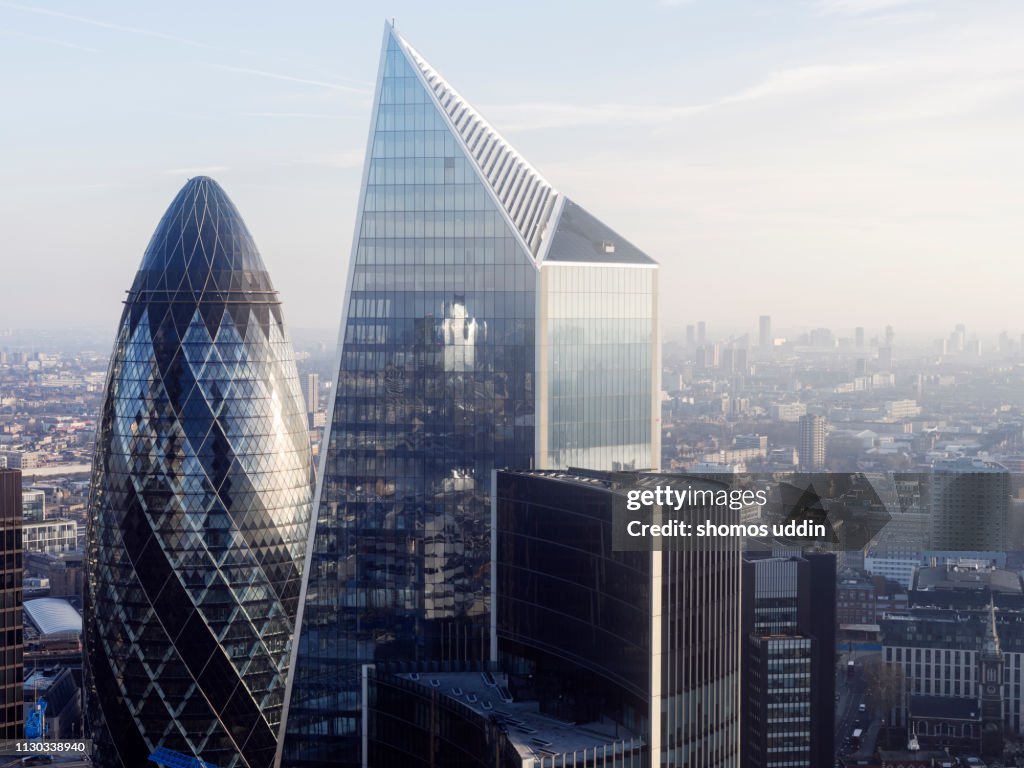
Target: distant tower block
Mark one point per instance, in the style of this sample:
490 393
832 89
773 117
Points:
812 442
765 331
312 392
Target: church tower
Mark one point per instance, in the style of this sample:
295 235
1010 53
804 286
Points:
991 675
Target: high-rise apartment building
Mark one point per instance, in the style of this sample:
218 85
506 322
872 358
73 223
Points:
51 536
312 392
765 331
884 358
970 502
200 504
489 321
12 714
812 441
33 502
788 636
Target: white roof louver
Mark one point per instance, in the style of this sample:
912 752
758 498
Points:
526 197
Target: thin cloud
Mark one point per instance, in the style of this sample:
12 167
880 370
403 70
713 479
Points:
295 115
203 170
300 80
800 80
952 100
787 82
540 115
99 186
340 160
108 25
48 41
859 7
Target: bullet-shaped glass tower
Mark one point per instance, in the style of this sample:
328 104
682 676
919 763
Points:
200 505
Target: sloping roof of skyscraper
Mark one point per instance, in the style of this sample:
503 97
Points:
526 196
581 237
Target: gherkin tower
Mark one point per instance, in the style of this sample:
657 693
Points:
200 502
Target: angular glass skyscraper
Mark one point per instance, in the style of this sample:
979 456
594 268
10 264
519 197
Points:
201 502
488 322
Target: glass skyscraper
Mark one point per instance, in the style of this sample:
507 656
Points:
646 640
12 688
488 322
200 502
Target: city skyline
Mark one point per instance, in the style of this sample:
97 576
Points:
881 166
725 469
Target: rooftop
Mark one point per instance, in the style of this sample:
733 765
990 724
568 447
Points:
580 237
946 707
959 578
620 482
533 734
967 464
52 615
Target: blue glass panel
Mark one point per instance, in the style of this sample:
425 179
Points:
435 389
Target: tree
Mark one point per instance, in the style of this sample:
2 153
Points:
885 684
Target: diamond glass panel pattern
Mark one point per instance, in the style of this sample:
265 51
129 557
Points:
201 501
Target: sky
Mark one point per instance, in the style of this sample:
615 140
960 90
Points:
829 162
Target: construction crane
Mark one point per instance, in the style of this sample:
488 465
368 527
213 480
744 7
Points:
35 725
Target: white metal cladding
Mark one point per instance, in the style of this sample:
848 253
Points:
53 616
526 196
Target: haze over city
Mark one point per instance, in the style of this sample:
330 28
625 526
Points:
689 434
831 162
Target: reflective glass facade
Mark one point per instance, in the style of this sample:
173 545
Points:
200 505
435 389
597 331
12 695
649 640
438 385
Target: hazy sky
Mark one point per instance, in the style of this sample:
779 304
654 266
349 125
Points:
830 162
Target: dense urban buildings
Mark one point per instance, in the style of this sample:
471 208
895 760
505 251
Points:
12 718
489 321
949 657
200 507
788 667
